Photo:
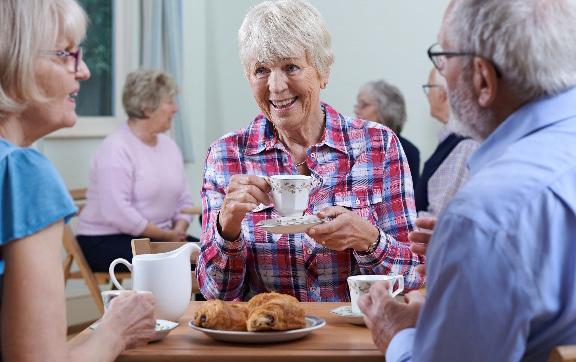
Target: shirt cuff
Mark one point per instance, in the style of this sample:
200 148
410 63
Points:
231 247
400 347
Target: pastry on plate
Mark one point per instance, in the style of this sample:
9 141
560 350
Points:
262 298
216 314
277 315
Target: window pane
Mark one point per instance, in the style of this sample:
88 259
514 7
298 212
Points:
95 98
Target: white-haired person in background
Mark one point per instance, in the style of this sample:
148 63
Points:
40 69
137 180
286 52
446 169
382 102
501 282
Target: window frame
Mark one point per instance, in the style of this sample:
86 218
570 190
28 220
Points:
126 53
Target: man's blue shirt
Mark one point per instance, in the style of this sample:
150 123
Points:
501 264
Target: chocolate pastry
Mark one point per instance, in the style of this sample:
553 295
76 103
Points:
278 315
215 314
262 298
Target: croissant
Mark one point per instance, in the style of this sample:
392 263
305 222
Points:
278 315
215 314
262 298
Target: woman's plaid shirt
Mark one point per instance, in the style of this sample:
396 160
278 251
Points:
359 165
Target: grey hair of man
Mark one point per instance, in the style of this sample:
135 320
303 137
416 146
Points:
27 28
530 41
144 90
390 102
275 30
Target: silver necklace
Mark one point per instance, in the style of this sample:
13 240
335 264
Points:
300 163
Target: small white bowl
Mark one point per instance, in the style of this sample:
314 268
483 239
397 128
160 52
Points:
163 327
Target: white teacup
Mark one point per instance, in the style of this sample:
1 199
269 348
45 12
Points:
360 285
290 193
108 295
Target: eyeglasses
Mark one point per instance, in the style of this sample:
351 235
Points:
426 87
77 55
439 58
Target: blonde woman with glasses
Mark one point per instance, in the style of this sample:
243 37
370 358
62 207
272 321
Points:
41 68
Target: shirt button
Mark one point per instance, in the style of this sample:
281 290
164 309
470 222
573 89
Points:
357 202
313 155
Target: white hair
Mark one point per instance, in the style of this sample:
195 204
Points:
391 104
275 30
531 42
28 27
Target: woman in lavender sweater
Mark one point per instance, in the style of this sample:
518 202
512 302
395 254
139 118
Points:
137 183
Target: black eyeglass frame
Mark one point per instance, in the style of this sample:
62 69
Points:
77 55
432 54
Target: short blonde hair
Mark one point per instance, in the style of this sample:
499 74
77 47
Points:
28 27
280 29
144 90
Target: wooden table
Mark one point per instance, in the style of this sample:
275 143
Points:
337 341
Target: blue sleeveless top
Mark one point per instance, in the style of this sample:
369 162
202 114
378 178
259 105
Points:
32 194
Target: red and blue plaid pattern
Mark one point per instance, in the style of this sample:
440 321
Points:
358 165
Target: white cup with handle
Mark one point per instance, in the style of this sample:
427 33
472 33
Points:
167 275
290 193
360 285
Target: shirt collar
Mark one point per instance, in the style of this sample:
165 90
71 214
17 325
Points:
529 118
263 136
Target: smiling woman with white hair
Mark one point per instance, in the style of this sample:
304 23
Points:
359 171
41 68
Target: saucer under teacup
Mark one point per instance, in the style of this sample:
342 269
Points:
289 224
163 327
347 314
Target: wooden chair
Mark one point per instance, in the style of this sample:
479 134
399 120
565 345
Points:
144 246
563 354
75 255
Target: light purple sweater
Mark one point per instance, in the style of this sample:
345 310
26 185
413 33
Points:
132 184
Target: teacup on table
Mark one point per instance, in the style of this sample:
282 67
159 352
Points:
290 193
360 285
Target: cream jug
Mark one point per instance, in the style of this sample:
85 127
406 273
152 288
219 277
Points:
167 275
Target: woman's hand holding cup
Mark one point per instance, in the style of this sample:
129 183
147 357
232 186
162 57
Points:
130 316
243 194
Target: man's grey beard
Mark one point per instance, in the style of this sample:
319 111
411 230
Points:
467 118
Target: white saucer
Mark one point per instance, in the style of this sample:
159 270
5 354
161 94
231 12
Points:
163 327
290 224
346 313
312 323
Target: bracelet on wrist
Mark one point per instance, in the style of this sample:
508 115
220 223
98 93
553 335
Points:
374 245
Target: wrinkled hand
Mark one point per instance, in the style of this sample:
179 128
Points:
131 315
243 194
421 237
345 230
386 316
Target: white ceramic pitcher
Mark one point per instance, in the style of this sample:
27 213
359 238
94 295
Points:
167 275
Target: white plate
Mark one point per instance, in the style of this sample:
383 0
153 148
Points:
346 313
163 327
290 224
312 323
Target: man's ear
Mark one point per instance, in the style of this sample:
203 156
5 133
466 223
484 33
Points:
485 82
